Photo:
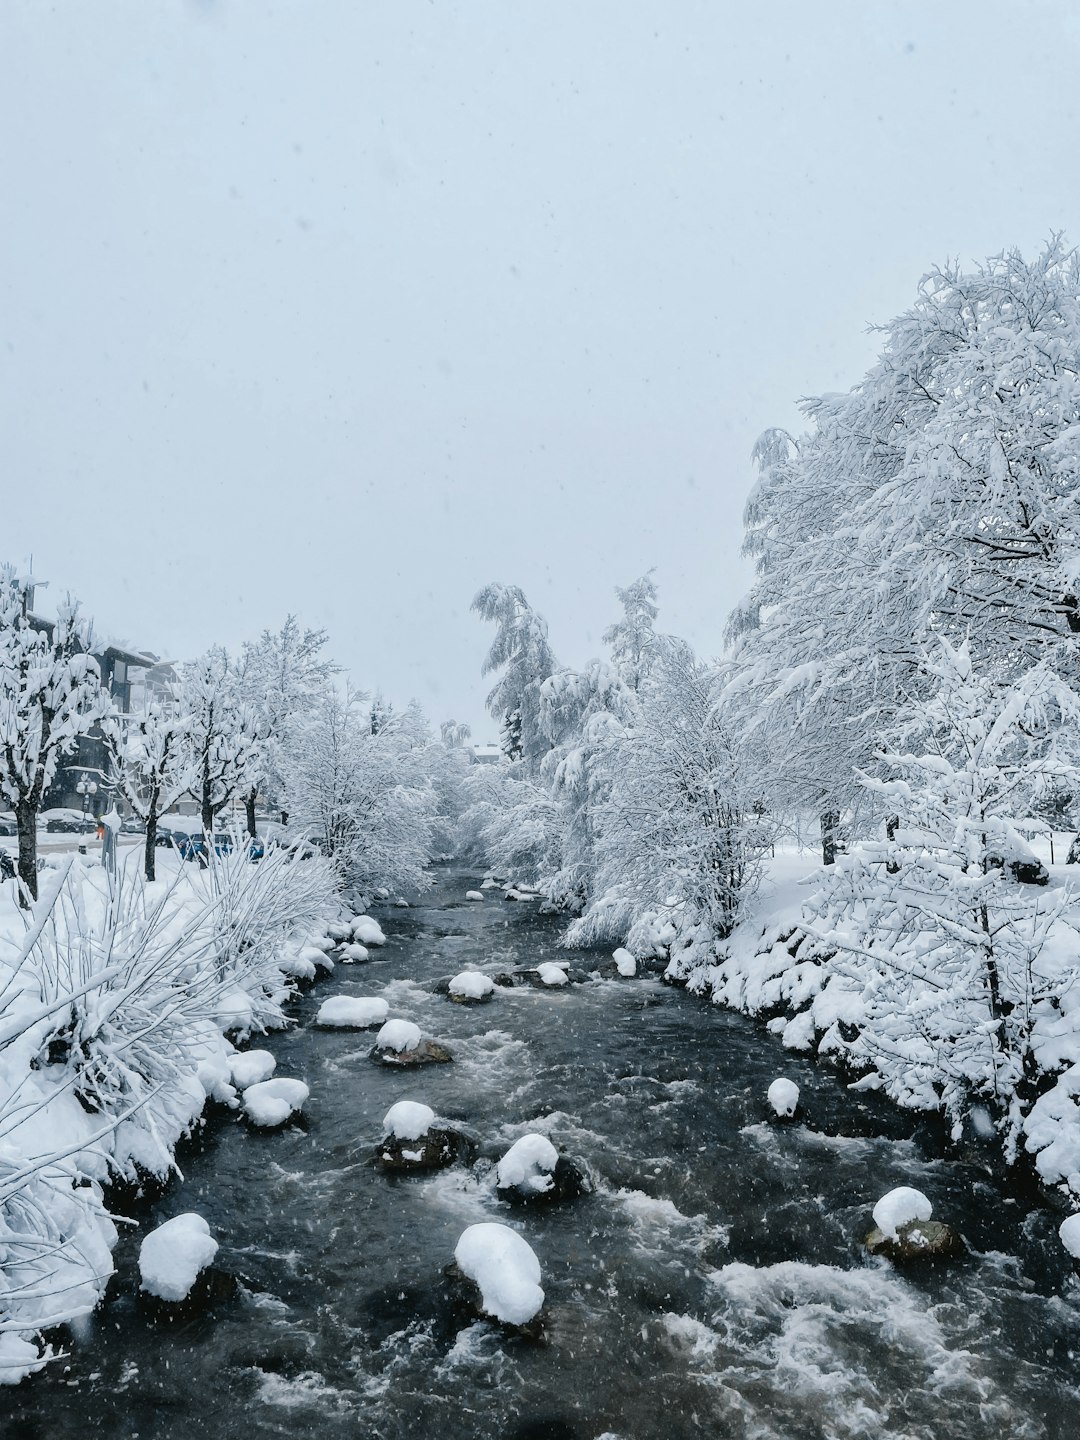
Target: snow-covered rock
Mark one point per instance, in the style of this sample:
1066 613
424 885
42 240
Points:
783 1096
473 895
1069 1231
398 1035
489 884
272 1102
471 985
352 1012
367 931
551 974
382 893
505 1270
354 953
528 1165
900 1207
625 962
234 1012
339 930
251 1067
172 1257
408 1120
401 904
298 969
316 956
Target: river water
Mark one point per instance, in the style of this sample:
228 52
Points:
713 1284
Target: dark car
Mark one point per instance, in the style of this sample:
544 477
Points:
193 847
84 825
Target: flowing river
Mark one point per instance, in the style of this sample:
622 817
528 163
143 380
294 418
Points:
713 1283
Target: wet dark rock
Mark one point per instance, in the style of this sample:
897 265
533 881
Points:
428 1052
465 1295
213 1287
433 1151
918 1240
506 980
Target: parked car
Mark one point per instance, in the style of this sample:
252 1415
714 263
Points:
8 826
132 826
82 825
193 847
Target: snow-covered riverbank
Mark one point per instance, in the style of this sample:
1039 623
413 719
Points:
118 1008
843 1004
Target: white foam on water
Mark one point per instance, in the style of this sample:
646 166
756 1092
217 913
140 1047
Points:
308 1390
659 1226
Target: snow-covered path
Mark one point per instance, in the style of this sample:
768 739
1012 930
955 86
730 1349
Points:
712 1285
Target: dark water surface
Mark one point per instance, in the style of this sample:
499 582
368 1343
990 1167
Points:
712 1285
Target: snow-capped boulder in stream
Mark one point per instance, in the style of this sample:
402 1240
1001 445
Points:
352 1012
367 931
473 895
251 1067
532 1171
1069 1234
173 1256
354 953
471 987
400 1042
625 962
412 1140
783 1097
272 1103
553 975
504 1270
904 1230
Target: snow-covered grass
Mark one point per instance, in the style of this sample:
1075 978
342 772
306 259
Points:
114 1003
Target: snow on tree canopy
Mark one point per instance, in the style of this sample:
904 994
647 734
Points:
551 974
900 1207
251 1067
271 1102
784 1098
172 1257
408 1120
471 985
528 1165
367 931
348 1012
504 1268
398 1035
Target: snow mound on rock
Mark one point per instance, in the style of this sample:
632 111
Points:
473 895
504 1268
528 1165
398 1035
784 1098
472 985
348 1012
900 1207
173 1256
367 931
551 974
251 1067
272 1101
316 956
1069 1230
625 961
408 1120
354 952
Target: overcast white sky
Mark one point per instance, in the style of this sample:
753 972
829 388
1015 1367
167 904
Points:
347 308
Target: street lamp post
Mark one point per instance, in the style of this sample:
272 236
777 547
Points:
86 788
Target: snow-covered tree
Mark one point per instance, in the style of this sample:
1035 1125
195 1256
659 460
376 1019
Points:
365 797
949 962
584 715
153 765
937 497
50 695
225 735
632 640
680 843
280 677
521 651
454 735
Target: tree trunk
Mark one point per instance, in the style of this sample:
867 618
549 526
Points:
892 824
830 825
150 857
249 806
284 817
26 820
